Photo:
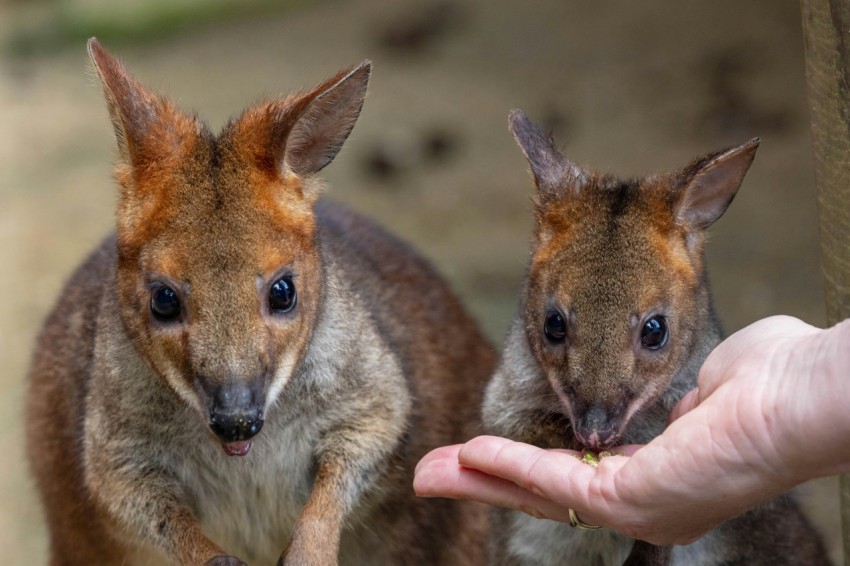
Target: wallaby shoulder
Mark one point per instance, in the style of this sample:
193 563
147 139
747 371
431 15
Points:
59 383
64 352
398 286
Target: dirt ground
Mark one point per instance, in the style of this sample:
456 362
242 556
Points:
631 87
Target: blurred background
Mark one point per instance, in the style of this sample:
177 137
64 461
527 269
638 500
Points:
628 87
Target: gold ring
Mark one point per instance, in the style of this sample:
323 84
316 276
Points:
576 522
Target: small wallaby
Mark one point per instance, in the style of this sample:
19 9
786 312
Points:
615 321
244 371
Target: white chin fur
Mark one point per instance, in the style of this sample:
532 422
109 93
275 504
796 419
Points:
556 387
183 390
281 378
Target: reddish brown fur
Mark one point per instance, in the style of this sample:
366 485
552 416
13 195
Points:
561 221
609 256
377 362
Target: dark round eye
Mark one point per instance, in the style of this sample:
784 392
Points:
165 305
282 295
555 327
653 335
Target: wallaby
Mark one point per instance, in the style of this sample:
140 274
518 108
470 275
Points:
244 371
615 321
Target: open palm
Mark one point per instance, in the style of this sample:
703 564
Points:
745 435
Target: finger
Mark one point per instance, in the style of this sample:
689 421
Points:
685 404
443 477
443 452
626 449
553 475
715 369
436 475
620 450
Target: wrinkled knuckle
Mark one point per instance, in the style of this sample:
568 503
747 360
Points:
531 481
597 490
532 485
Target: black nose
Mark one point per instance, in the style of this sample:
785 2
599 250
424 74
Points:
236 414
596 429
231 427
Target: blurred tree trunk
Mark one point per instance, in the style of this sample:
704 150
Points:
826 28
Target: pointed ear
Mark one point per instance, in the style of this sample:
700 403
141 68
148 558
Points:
302 133
147 127
711 183
553 172
324 124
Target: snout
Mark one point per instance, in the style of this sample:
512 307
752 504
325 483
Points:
236 426
597 428
236 416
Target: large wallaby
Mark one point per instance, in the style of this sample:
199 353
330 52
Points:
615 321
244 371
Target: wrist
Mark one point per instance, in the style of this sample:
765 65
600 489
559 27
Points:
814 413
835 372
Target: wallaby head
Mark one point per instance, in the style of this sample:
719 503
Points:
617 299
219 275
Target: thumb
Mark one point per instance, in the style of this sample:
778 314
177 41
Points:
690 401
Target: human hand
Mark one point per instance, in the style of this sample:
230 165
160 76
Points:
769 412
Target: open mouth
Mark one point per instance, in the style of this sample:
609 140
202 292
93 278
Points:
235 431
237 447
594 440
595 444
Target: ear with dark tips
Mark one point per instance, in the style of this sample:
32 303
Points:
146 125
711 183
553 172
323 126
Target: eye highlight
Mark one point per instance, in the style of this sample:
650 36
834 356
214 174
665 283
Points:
654 333
165 304
282 296
555 327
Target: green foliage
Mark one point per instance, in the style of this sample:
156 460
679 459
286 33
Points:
49 25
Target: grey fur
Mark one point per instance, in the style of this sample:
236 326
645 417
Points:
373 364
608 256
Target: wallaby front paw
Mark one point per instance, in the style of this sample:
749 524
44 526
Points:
224 561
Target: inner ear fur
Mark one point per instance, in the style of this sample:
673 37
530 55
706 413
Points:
709 184
148 128
301 134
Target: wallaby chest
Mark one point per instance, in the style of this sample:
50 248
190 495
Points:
250 504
